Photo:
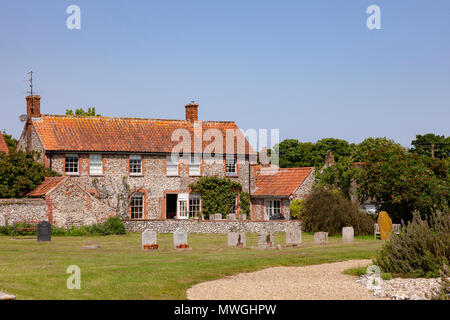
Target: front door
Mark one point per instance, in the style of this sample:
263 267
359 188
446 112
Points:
171 205
183 209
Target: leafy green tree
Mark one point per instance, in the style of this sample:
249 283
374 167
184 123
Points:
20 173
342 175
218 194
402 182
10 141
426 144
80 112
296 208
294 153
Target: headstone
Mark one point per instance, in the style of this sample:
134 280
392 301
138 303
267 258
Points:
218 216
242 217
212 216
348 234
265 240
293 235
231 216
385 225
5 296
180 236
149 237
44 231
321 237
237 239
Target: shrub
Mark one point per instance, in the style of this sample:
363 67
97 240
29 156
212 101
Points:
329 210
113 226
6 230
422 247
296 208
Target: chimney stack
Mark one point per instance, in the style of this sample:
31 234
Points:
192 112
33 106
329 160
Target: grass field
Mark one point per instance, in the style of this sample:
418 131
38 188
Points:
119 269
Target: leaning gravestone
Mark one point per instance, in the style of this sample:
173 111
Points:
149 237
385 225
293 235
348 234
242 217
44 231
231 216
265 240
180 237
218 216
236 239
321 237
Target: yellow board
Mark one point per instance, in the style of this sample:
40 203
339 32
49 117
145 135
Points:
385 225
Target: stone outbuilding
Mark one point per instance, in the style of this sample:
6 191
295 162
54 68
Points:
276 188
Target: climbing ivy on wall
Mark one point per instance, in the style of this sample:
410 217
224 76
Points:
218 195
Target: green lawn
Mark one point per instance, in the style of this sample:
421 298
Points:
121 270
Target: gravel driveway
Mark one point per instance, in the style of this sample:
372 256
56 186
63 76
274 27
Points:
317 282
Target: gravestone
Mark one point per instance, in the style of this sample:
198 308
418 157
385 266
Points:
212 217
348 234
149 237
293 235
90 245
180 236
321 237
218 216
44 231
236 239
385 225
242 217
265 240
231 216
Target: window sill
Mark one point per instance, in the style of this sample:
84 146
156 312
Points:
72 174
136 175
96 175
231 175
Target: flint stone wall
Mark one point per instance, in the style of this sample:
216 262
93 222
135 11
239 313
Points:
207 226
30 210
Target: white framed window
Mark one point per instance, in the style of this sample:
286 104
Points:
137 206
172 165
194 165
271 208
71 165
230 166
195 204
135 164
95 164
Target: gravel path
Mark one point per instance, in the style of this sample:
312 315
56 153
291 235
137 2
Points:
317 282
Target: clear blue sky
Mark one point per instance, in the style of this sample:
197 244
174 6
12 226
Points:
310 68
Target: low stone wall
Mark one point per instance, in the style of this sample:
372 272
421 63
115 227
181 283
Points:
12 210
206 226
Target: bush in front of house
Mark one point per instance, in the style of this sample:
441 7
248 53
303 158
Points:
421 249
113 225
296 208
328 210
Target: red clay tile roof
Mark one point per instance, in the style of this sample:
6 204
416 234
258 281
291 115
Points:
282 183
48 184
3 146
78 133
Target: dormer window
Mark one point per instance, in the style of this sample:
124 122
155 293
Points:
135 165
71 165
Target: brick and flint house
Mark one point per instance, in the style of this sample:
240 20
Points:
157 158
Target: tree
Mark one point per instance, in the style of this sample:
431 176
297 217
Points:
402 182
80 112
20 173
430 143
341 175
10 141
293 153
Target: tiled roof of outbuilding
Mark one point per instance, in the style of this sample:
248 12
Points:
282 182
48 184
3 146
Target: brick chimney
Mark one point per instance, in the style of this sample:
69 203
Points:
329 160
192 112
33 106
